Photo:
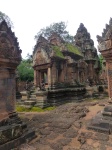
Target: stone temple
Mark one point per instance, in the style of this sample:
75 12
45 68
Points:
13 131
66 68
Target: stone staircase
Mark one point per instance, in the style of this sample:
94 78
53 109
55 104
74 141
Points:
30 101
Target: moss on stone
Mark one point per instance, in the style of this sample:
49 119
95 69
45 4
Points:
58 51
71 48
33 109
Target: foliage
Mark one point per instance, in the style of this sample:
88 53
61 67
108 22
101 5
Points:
3 16
59 28
25 70
49 108
101 59
73 49
57 51
29 58
33 109
22 109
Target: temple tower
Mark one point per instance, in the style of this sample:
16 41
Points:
11 126
86 45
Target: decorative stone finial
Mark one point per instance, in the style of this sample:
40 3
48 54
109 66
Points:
99 38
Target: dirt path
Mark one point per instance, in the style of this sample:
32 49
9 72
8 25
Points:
65 128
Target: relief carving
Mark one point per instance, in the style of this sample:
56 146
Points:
102 46
7 50
108 44
105 45
40 59
9 46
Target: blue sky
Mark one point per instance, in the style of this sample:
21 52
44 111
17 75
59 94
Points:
29 16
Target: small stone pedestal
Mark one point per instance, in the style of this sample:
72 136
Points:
89 91
41 97
24 95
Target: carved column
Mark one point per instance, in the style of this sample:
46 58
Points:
7 92
49 76
35 77
54 75
64 72
109 77
38 78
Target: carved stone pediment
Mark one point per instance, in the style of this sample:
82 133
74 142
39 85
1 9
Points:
9 47
105 45
40 57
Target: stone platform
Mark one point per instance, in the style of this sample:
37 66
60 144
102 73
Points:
13 132
52 97
102 122
61 96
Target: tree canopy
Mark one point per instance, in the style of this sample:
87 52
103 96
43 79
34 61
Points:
3 16
25 70
59 28
101 59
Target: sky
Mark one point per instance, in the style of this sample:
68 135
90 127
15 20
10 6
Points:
29 16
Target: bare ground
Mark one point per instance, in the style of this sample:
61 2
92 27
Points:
65 128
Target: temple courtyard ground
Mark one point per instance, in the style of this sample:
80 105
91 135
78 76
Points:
65 128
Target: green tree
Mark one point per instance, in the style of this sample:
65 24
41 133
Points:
3 16
101 59
25 70
29 58
59 28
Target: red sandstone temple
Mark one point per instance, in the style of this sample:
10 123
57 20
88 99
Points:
68 70
60 63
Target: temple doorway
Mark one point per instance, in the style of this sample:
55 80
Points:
44 76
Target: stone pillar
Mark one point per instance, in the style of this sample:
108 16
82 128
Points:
53 75
35 77
49 77
7 92
63 72
90 70
109 78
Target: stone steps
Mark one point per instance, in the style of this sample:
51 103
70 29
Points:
28 102
32 99
26 106
33 96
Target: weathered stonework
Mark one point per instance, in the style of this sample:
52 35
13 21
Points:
10 57
103 120
63 65
105 47
86 45
11 126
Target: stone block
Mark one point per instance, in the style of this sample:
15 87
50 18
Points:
108 108
24 95
30 103
42 98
